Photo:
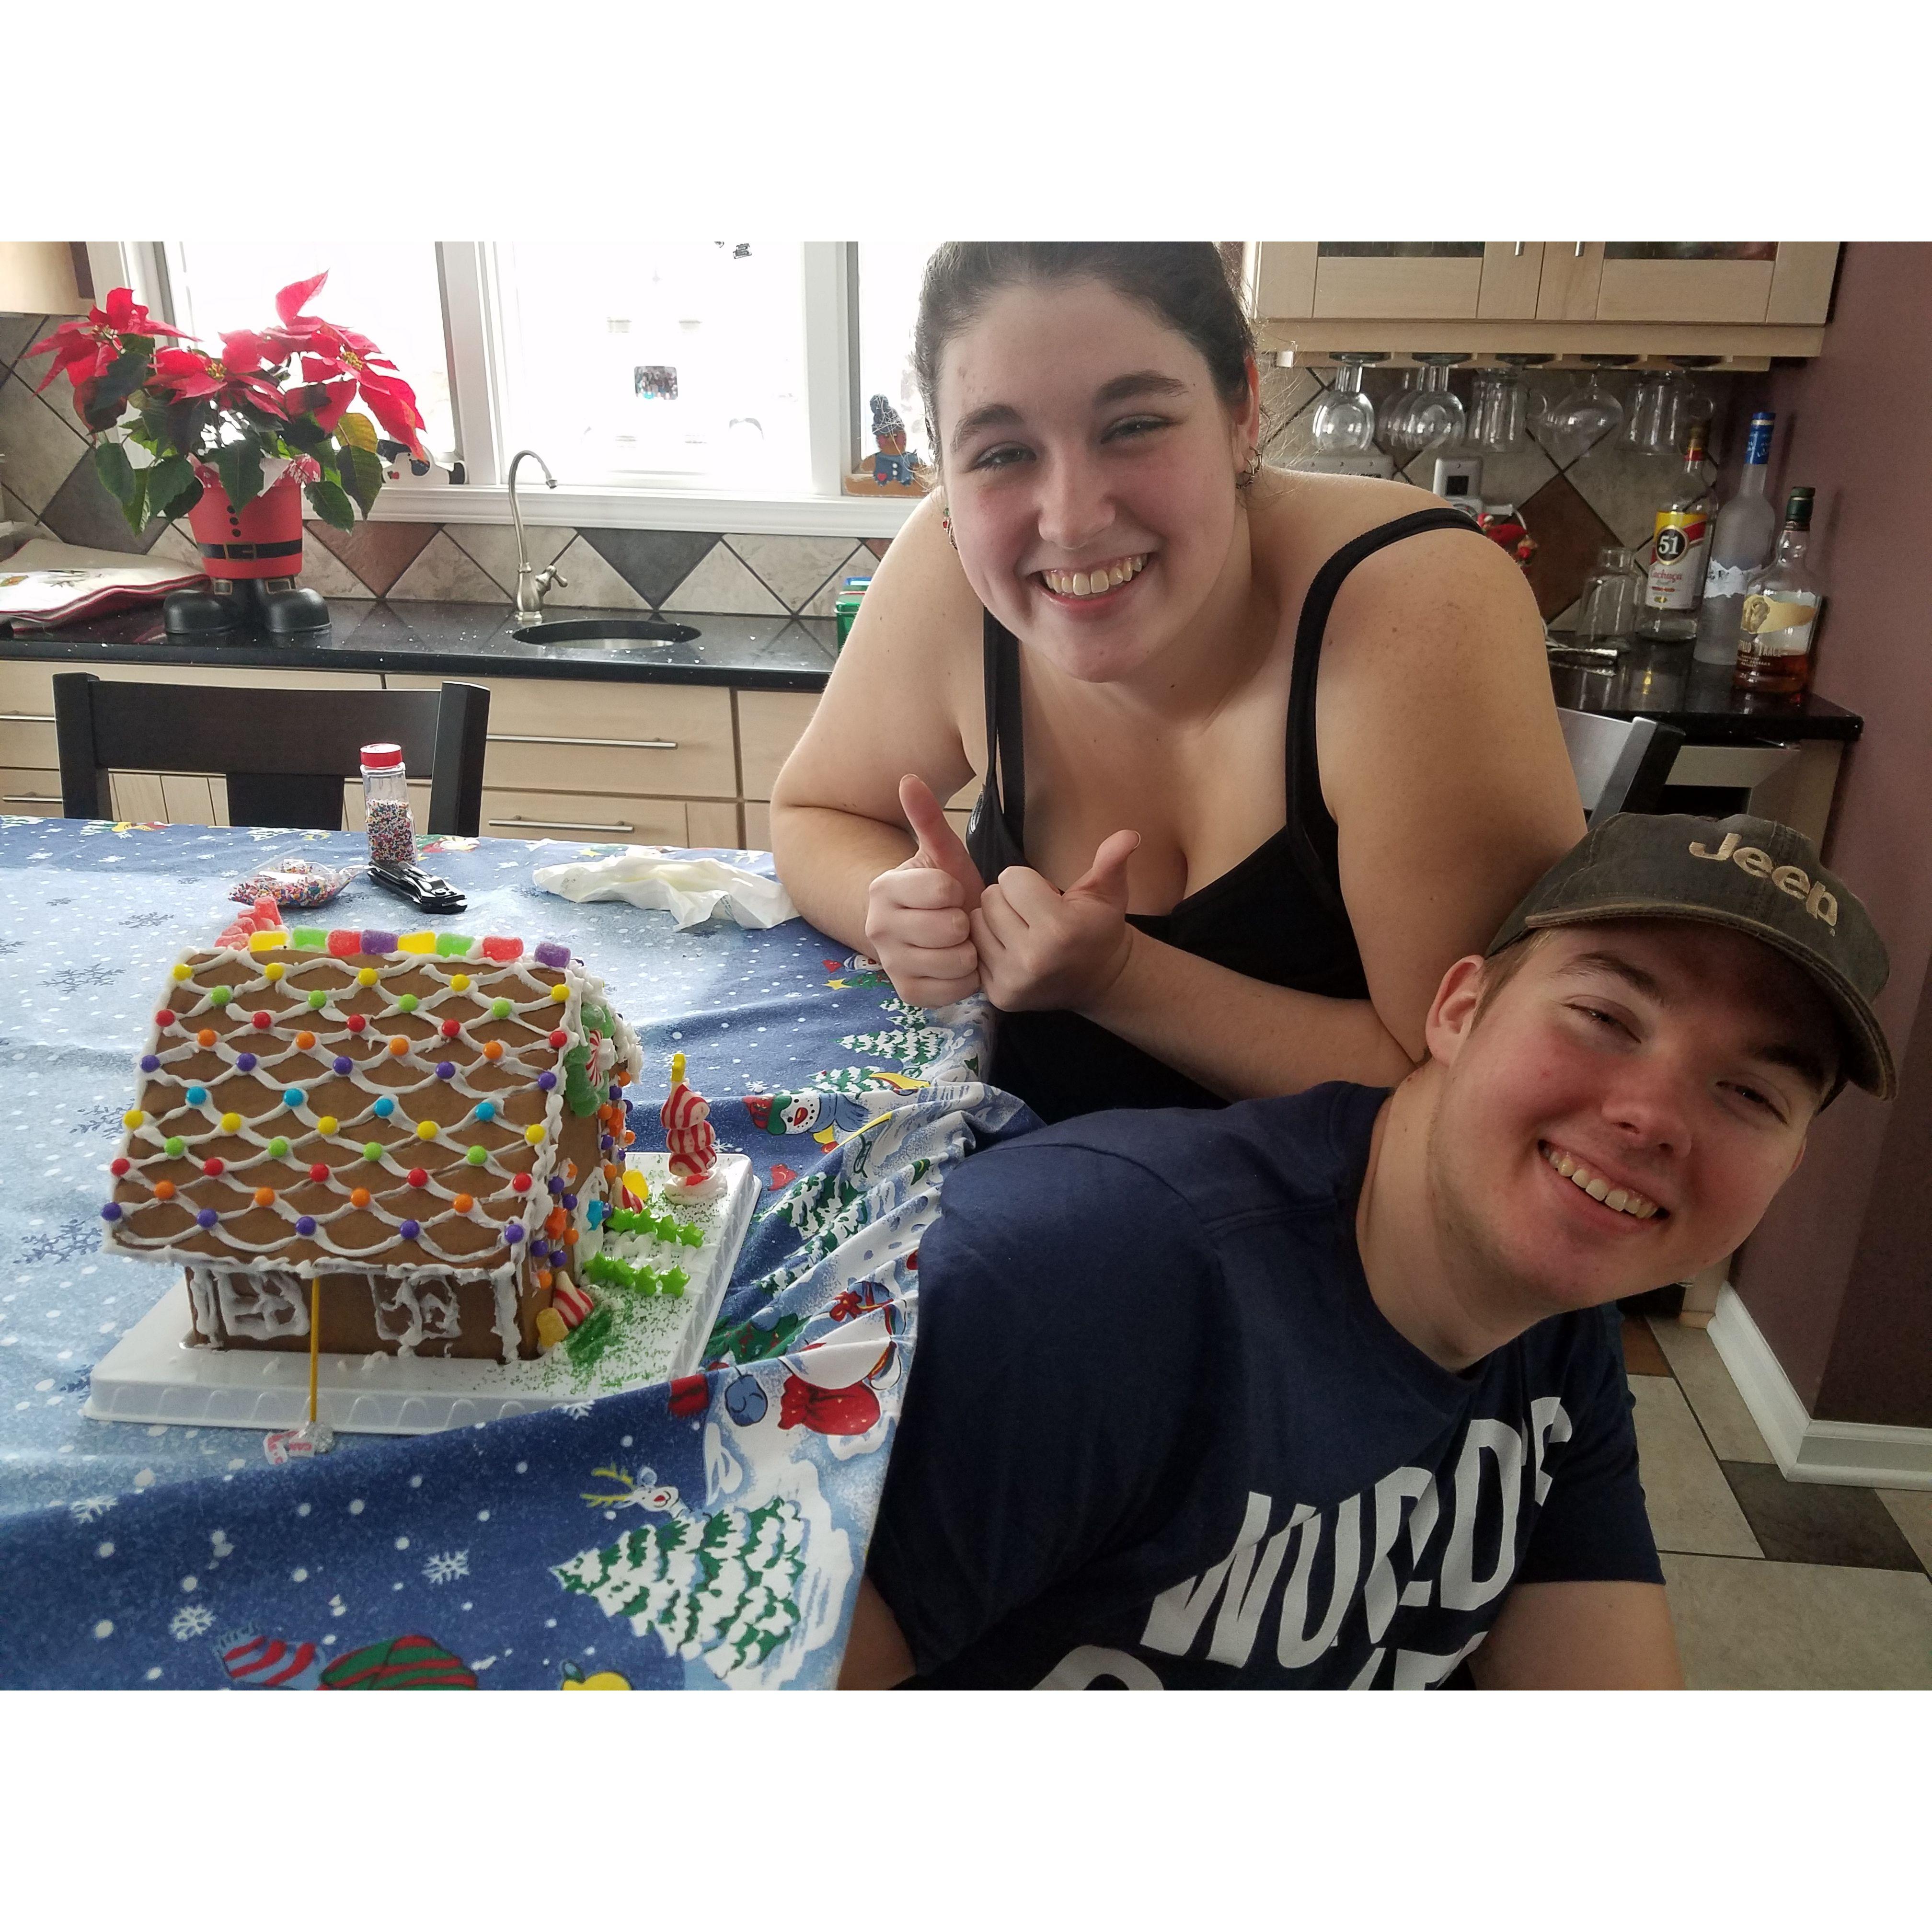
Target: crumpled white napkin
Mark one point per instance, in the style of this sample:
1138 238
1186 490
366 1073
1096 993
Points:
692 890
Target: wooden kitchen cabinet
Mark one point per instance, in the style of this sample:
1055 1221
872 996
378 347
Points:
1749 282
1745 301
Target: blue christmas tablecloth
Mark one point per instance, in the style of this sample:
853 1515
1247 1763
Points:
702 1534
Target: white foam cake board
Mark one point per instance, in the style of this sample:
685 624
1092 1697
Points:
155 1373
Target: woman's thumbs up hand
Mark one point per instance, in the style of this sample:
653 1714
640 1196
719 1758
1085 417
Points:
917 914
1040 947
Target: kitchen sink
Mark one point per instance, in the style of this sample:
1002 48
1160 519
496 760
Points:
614 632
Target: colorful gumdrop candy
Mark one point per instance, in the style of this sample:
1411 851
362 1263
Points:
502 950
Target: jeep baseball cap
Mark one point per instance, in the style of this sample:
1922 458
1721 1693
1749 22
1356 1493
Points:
1749 874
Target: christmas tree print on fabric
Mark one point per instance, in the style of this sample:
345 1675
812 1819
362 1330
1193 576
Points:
718 1589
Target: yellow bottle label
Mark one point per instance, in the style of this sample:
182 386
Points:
1676 574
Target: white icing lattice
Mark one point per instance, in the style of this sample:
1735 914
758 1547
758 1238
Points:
535 1013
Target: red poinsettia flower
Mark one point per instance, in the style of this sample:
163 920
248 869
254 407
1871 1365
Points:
85 347
182 374
345 365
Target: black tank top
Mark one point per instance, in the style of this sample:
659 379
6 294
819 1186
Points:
1277 917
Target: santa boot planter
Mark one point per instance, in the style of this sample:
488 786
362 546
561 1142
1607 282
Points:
270 413
252 556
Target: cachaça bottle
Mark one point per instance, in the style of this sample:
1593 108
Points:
1674 584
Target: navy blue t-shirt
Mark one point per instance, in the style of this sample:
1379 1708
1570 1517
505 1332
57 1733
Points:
1158 1434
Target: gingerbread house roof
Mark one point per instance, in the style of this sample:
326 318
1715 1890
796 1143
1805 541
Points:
359 1101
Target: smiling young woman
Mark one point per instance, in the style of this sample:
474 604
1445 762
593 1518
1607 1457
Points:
1261 753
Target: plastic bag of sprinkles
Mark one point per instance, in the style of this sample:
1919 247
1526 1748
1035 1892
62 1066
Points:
294 883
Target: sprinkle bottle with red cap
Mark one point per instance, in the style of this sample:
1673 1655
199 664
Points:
386 806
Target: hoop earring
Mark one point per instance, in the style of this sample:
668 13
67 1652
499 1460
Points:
1250 469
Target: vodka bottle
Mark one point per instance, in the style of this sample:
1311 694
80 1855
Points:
1674 585
1742 540
1781 607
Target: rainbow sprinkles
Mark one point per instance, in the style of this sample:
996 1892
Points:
427 1127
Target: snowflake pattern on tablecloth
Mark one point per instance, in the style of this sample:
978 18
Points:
190 1621
90 1509
79 1235
95 972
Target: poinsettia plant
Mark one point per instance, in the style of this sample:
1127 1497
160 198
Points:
168 420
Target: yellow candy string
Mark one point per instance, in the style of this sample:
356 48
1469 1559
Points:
314 1342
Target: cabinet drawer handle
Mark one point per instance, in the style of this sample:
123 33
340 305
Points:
616 744
29 798
1579 250
560 825
1519 248
25 718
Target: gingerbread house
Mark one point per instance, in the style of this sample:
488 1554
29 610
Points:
410 1132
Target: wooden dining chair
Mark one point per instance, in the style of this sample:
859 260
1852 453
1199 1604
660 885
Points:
284 753
1620 764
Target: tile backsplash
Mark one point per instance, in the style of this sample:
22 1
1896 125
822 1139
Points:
1606 495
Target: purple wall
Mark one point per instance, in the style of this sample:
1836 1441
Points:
1839 1278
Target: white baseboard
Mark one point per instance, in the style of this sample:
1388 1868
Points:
1871 1454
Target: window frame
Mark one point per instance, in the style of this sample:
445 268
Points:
831 359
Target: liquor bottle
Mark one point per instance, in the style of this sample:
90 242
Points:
1674 585
1746 527
1781 607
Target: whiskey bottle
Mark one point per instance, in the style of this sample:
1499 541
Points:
1780 608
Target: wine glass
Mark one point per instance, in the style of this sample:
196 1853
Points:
1344 420
1436 415
1394 412
1586 415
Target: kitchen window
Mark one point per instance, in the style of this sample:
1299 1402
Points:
887 275
694 386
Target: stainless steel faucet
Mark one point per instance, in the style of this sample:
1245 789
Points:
532 585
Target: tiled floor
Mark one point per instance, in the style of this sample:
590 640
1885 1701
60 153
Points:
1774 1585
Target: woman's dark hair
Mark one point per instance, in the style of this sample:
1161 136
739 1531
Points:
1185 283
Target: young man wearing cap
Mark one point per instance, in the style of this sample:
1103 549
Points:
1315 1391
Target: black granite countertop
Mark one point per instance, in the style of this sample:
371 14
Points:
796 654
1662 681
754 653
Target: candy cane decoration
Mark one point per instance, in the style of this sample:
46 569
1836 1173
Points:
688 1135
